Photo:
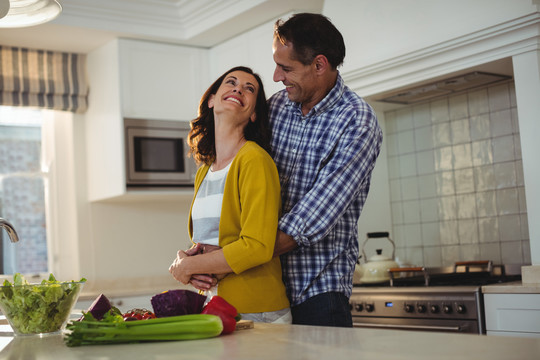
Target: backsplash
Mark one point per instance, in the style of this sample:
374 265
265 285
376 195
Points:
456 180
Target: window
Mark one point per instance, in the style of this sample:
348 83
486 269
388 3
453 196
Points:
23 189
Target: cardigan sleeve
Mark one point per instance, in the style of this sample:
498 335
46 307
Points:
250 213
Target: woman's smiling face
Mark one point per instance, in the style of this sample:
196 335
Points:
237 93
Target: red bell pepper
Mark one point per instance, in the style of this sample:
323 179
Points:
226 312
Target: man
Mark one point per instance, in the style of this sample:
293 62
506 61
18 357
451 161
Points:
325 140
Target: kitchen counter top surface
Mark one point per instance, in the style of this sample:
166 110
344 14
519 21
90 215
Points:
515 287
273 341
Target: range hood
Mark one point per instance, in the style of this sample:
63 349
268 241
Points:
443 87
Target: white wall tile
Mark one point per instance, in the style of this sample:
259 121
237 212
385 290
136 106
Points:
409 188
439 110
468 231
407 165
441 135
511 252
462 156
499 97
501 123
459 107
503 148
510 228
404 119
429 210
505 174
445 183
481 152
421 115
431 234
423 138
397 212
466 206
390 122
491 251
484 178
405 142
432 256
450 255
480 127
486 203
507 201
395 190
478 102
411 212
488 229
427 186
391 141
469 252
425 162
447 208
444 159
460 131
464 181
413 234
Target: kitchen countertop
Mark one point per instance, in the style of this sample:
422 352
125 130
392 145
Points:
515 287
276 341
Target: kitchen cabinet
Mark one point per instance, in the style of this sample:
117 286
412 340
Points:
136 79
513 314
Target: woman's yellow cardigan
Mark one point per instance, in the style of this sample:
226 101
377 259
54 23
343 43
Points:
247 232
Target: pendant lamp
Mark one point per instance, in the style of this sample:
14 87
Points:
23 13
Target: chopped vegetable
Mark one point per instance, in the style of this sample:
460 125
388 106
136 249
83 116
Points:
177 302
99 307
38 308
227 313
138 314
108 331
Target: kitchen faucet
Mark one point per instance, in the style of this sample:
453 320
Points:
9 229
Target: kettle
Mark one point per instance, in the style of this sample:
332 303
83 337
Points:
375 269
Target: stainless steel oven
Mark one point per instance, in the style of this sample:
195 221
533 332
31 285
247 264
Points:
157 153
441 299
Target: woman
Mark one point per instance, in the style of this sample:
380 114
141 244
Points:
237 200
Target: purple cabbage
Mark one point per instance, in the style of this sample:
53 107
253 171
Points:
177 302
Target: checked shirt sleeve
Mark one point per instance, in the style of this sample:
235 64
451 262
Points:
343 178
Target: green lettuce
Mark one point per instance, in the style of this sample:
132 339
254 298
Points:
38 308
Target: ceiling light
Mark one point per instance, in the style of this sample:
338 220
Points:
23 13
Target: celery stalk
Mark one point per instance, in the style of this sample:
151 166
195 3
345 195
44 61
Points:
184 327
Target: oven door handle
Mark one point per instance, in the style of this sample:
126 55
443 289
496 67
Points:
410 327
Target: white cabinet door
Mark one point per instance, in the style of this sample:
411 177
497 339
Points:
518 314
161 81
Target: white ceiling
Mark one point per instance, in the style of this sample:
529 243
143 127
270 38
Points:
84 25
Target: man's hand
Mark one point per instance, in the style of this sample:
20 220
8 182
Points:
284 243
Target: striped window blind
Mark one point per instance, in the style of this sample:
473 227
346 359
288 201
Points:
45 79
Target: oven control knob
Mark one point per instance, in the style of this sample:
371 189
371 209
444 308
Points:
434 309
359 307
409 308
421 308
461 309
447 309
370 307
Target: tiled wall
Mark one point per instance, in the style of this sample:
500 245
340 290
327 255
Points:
456 180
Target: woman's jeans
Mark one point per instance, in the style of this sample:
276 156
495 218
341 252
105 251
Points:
326 309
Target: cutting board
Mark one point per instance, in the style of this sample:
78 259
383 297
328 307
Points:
244 324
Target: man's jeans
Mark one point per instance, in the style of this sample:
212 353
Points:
327 309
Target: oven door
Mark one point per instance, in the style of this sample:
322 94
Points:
439 325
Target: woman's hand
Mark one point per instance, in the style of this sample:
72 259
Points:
178 267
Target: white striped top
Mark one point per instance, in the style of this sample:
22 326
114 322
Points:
206 210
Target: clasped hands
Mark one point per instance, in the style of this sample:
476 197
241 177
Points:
199 281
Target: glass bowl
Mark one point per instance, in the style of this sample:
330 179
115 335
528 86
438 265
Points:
39 309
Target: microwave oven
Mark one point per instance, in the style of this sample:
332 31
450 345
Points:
157 153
